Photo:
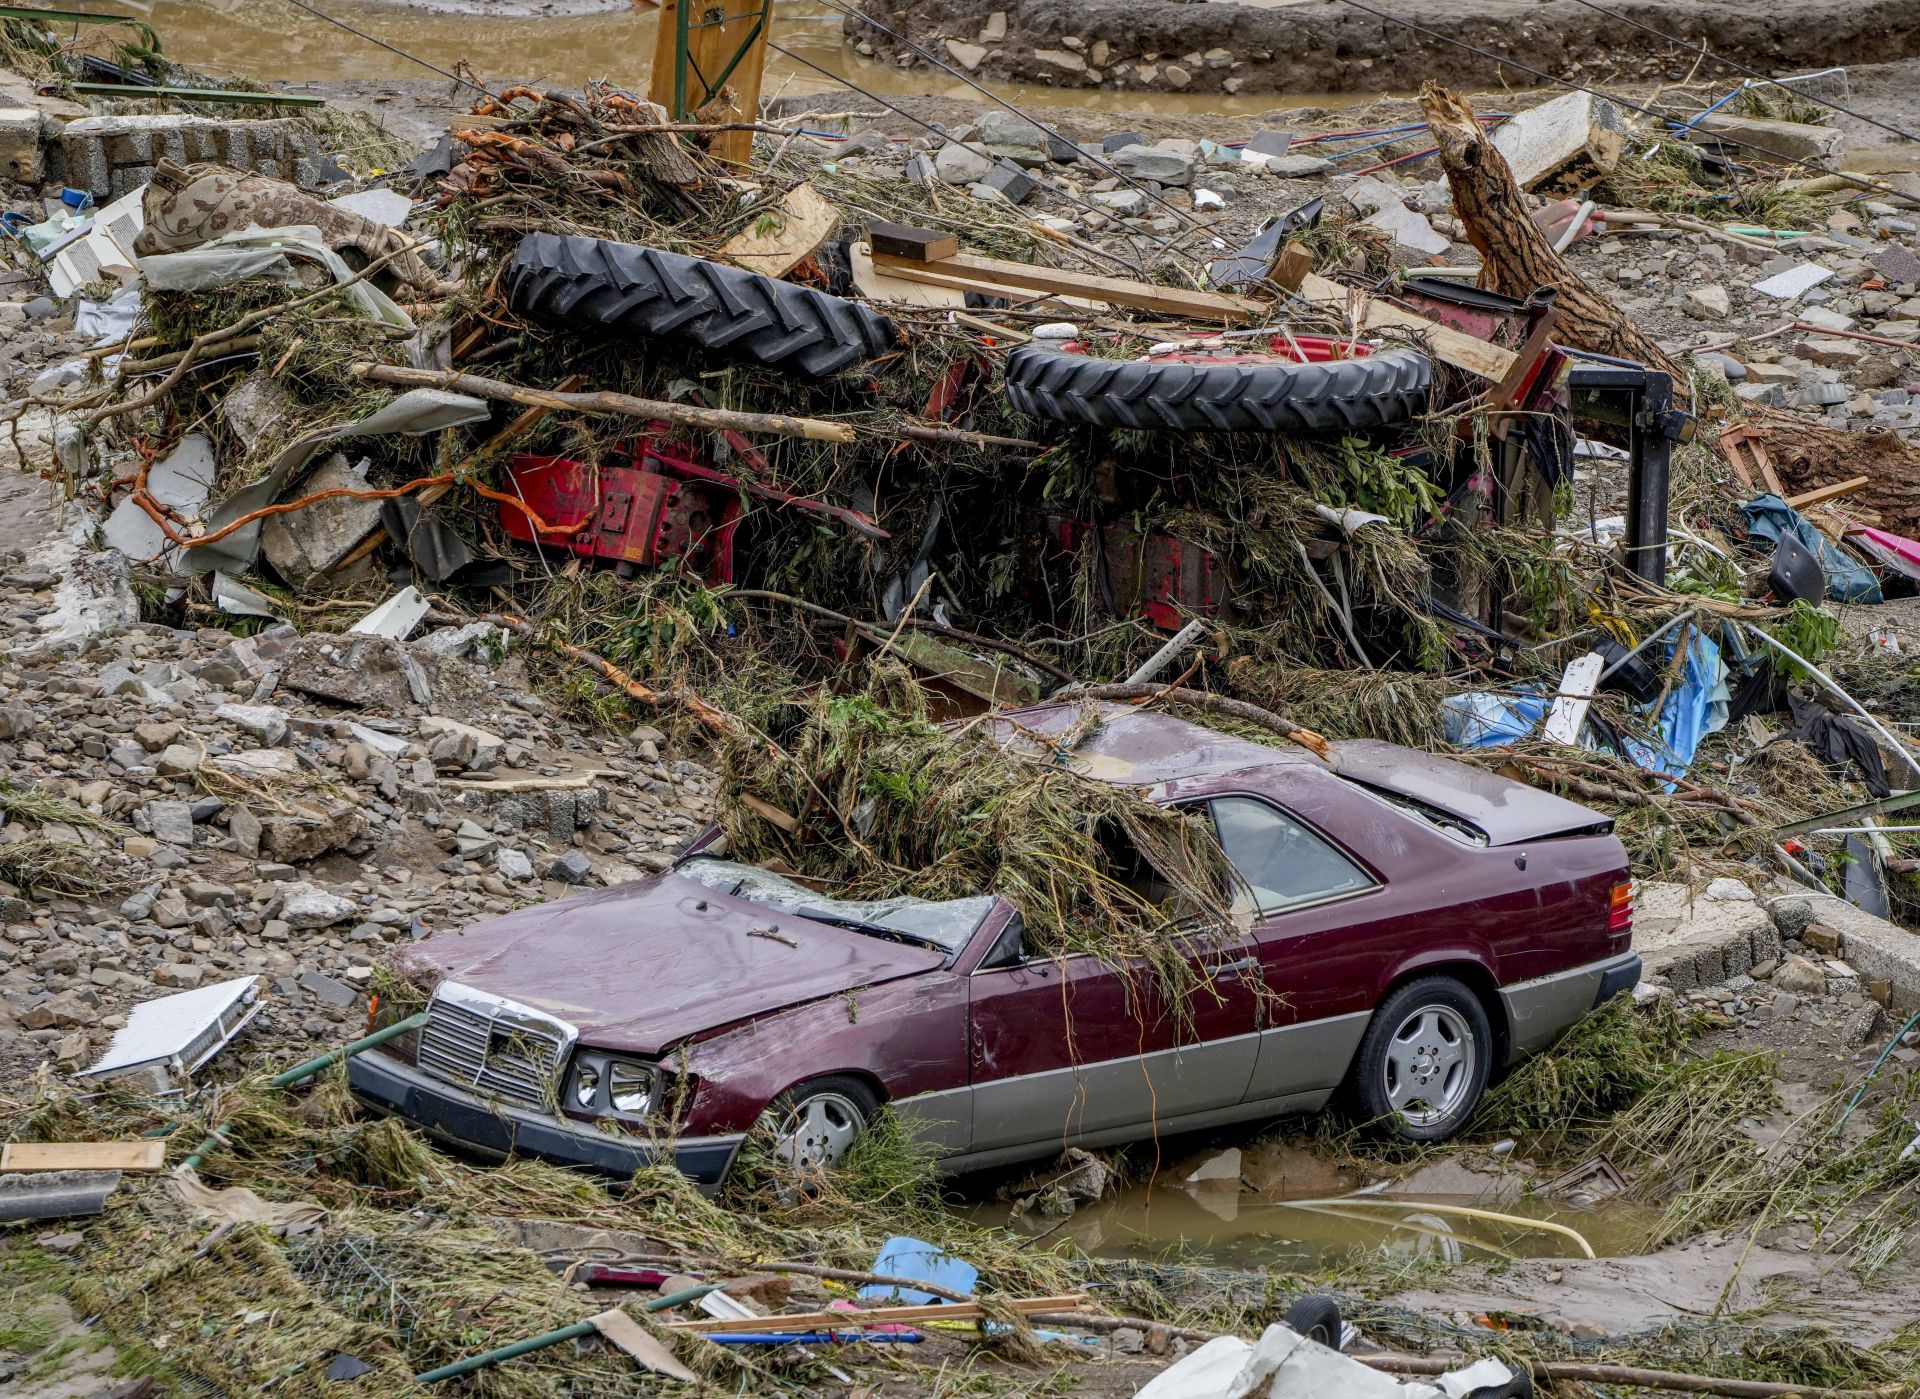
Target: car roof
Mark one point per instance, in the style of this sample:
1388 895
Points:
1141 747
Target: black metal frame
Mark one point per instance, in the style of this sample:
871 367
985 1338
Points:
1622 393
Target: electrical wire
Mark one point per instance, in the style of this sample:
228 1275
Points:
994 97
1555 78
390 48
1739 67
855 88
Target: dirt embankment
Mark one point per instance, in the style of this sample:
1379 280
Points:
1325 46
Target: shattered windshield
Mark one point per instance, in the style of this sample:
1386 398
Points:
945 924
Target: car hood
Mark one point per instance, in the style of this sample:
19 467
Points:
1507 812
643 966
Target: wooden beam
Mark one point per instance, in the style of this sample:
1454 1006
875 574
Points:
1290 269
919 244
1450 346
874 1316
994 275
1820 495
146 1155
896 271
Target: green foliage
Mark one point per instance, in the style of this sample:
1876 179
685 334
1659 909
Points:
1809 631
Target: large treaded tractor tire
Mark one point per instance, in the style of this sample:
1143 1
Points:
1376 390
581 282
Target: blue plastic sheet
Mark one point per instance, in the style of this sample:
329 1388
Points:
1848 580
1482 719
1696 707
906 1257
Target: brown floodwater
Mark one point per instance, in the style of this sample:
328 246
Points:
572 41
1284 1210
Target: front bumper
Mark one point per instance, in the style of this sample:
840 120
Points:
1541 1010
467 1120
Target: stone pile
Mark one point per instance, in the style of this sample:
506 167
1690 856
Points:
250 823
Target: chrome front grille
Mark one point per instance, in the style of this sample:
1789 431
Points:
496 1047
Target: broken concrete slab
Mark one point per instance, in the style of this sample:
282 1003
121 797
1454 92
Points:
1689 942
1794 282
109 156
1763 137
21 157
303 544
1573 139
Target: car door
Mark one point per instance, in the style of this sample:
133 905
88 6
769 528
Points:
1063 1048
1321 924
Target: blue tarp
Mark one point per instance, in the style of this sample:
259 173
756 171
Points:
1482 719
1696 707
1848 580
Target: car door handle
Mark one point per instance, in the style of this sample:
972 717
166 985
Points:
1233 968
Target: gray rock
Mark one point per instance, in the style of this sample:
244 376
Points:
570 868
334 993
1010 182
512 864
1707 303
1008 137
171 822
1156 163
304 905
178 759
1298 167
961 165
266 722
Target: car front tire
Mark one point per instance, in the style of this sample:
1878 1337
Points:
813 1126
1423 1064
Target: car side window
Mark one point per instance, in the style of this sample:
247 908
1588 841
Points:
1009 949
1284 863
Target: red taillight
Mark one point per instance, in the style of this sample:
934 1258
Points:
1620 909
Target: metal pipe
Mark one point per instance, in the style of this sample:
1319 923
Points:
1832 687
578 1331
1177 643
346 1051
1665 627
307 1070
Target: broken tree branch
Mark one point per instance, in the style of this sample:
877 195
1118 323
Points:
1516 258
718 721
606 403
918 623
1218 704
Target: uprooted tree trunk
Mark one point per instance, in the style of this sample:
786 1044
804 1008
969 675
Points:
1807 453
1516 258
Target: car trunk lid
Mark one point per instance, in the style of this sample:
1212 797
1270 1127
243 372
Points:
1504 811
643 967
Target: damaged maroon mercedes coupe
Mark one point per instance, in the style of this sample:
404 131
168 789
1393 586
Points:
1412 926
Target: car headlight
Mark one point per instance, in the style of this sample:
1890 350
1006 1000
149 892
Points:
607 1085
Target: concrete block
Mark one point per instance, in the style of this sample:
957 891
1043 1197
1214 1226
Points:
1790 139
113 155
304 543
1012 183
1578 137
21 159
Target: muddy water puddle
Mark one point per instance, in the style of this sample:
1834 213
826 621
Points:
270 40
1279 1206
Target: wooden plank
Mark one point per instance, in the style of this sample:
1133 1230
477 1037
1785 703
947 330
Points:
1450 346
1820 495
712 45
874 1316
83 1156
640 1344
767 811
916 244
875 285
1731 440
930 275
802 225
994 275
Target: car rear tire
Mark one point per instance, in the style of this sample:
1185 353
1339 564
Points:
1376 390
1423 1063
653 294
813 1126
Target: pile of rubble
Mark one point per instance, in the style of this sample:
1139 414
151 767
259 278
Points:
295 807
